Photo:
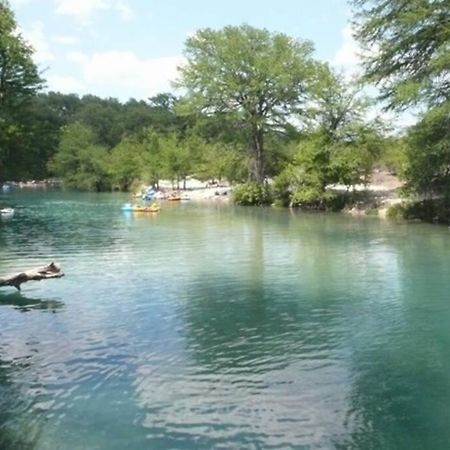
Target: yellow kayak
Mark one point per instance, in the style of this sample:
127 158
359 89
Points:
152 208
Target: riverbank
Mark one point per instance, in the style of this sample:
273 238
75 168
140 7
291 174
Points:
196 190
382 192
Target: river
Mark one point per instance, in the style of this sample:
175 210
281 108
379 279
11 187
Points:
209 326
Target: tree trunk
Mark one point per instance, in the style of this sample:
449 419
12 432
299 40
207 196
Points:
258 155
52 270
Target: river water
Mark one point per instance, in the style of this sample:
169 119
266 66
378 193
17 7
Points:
219 327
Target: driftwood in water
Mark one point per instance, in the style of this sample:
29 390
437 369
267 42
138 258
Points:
52 270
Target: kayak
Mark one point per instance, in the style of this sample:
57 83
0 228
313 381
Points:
152 209
136 208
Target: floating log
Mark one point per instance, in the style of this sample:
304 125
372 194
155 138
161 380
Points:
52 270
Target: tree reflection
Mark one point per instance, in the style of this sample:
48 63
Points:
18 428
400 363
15 432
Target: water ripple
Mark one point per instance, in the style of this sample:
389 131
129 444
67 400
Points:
209 327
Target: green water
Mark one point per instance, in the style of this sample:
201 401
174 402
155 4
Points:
215 327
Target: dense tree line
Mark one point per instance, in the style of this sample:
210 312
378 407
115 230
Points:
408 57
257 106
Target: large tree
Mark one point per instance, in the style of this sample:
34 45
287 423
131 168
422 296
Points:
19 82
339 145
256 77
406 48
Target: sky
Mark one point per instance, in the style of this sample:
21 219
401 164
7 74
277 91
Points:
131 48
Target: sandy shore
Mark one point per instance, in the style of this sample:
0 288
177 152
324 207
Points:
383 192
197 190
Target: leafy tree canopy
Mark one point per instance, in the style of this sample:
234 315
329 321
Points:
19 82
19 76
406 46
257 77
428 154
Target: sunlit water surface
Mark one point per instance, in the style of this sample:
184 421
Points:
216 327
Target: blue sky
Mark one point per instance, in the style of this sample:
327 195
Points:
130 48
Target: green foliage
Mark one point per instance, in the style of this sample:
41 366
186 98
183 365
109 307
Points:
19 76
257 194
313 197
19 83
430 210
152 162
411 39
340 147
125 163
220 161
393 155
255 78
177 159
427 168
257 105
321 162
372 211
397 212
81 162
104 117
335 104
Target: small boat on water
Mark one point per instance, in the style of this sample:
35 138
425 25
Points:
144 209
153 208
6 212
174 197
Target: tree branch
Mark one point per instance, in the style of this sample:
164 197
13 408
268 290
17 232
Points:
52 270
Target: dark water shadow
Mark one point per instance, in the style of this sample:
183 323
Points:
26 304
15 433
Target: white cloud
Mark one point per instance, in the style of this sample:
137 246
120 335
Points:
77 57
347 56
124 74
36 37
65 84
125 11
83 10
19 3
66 40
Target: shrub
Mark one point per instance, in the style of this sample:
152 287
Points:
432 210
258 194
397 212
372 212
282 189
311 197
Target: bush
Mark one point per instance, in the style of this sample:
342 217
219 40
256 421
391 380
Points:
372 212
432 210
310 197
258 194
397 212
282 189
